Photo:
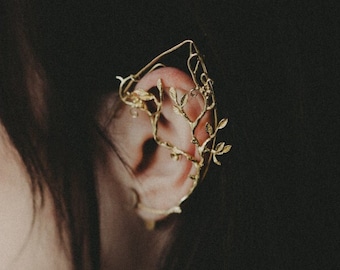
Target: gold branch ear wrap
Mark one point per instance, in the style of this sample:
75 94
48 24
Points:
139 99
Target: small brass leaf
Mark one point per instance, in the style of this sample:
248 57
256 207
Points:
177 110
140 92
209 129
184 100
159 84
215 160
219 147
222 123
173 94
226 149
143 95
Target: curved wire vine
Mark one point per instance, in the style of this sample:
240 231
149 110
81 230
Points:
138 99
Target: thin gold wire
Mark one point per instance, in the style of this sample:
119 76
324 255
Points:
137 99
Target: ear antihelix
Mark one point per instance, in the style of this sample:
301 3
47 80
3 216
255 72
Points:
201 123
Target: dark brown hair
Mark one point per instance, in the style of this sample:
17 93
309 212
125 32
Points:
51 126
274 203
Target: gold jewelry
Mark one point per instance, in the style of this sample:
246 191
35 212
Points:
138 99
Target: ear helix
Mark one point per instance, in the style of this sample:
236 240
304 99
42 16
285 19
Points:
163 178
177 92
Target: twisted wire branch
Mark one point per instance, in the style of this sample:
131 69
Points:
138 99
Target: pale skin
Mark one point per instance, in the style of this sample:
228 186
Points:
126 243
23 245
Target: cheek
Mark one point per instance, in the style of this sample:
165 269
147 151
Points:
16 208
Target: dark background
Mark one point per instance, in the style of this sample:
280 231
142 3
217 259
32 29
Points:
276 71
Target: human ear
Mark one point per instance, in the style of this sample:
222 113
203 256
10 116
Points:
165 132
160 179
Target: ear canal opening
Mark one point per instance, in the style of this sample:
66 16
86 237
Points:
149 149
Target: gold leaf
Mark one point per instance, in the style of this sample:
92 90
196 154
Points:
173 94
177 110
216 161
140 92
219 147
147 97
222 123
184 100
159 84
226 149
209 129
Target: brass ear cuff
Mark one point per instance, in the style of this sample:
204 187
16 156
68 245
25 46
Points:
138 99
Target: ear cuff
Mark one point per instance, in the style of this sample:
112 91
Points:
139 100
